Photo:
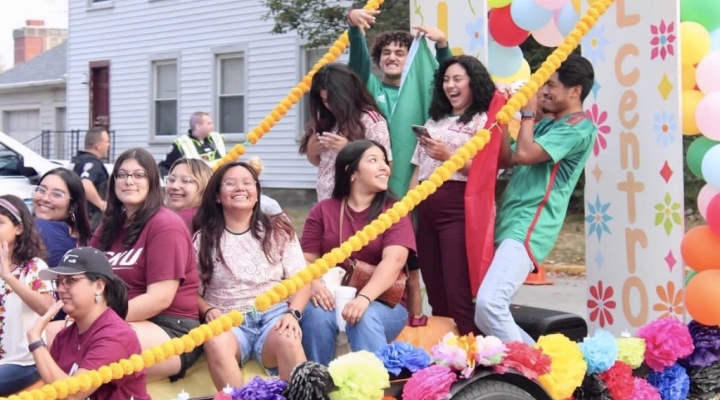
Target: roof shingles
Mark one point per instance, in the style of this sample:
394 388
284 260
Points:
48 66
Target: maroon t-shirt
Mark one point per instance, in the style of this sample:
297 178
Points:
187 215
162 252
109 339
320 234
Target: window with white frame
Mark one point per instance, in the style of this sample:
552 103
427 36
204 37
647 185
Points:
231 93
310 57
165 101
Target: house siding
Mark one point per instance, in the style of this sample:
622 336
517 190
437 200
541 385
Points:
46 101
133 33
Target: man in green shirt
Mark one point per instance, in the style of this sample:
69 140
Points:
549 157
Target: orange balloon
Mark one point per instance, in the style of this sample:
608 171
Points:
701 249
702 297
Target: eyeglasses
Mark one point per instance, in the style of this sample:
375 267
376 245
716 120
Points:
66 281
39 192
122 176
184 180
232 184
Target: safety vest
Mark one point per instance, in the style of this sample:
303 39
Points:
187 146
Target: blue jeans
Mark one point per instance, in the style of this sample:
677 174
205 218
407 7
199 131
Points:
378 326
509 269
14 378
251 334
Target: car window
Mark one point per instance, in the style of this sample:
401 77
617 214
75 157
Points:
9 162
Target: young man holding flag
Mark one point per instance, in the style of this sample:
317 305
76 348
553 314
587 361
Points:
403 97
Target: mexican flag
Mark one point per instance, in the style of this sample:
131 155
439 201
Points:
411 108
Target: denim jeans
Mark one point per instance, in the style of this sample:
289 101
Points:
251 334
509 269
378 326
14 378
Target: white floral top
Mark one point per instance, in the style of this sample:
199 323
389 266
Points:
375 129
248 273
454 135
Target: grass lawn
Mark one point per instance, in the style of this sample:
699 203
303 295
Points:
569 249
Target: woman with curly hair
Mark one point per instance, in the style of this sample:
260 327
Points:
461 98
341 110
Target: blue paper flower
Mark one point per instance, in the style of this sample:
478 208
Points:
600 351
260 389
398 355
673 383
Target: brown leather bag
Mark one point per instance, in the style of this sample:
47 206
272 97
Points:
360 273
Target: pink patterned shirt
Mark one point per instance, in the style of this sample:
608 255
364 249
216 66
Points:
375 129
453 134
248 273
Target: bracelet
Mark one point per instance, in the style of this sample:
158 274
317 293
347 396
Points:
36 345
207 311
362 295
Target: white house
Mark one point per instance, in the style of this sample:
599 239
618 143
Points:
143 66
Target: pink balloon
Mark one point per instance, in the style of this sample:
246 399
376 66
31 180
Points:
552 4
713 214
706 115
549 35
706 73
706 194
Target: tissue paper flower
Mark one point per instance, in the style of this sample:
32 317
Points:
619 380
432 383
673 383
631 351
525 359
666 341
642 390
398 355
568 365
490 350
456 352
704 380
592 388
260 389
358 376
706 340
309 381
600 351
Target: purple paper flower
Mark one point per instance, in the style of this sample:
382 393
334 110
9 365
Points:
707 345
260 389
398 355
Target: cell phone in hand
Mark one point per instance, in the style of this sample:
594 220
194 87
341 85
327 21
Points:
421 131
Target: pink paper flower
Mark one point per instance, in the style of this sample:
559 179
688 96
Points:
431 383
666 341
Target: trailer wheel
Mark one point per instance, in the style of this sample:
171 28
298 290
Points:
488 389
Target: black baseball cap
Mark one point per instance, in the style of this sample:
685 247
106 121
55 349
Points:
80 260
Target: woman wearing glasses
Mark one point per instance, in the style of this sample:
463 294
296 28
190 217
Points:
184 187
97 301
149 248
61 215
23 296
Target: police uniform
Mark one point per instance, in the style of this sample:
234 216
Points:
88 166
188 146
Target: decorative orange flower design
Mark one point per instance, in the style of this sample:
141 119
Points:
671 301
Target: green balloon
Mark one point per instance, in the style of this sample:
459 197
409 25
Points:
704 12
691 274
696 151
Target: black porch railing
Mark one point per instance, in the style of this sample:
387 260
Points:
63 145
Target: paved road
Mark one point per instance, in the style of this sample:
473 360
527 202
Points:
567 294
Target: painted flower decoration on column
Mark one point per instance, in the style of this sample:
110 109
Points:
667 214
665 126
663 40
599 118
601 304
671 301
597 218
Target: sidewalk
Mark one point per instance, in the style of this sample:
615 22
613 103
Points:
573 270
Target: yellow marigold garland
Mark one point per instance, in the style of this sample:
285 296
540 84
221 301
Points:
293 97
196 337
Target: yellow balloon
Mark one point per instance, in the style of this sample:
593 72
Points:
694 42
576 5
688 77
522 73
690 101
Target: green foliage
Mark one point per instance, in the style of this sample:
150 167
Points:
320 22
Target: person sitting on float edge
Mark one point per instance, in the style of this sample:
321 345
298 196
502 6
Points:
201 142
184 187
96 299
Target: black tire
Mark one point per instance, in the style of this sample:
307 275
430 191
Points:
488 389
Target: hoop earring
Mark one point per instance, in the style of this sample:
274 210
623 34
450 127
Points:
98 297
72 217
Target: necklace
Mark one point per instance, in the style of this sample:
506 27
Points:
4 293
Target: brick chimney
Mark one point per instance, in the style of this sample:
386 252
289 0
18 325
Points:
35 38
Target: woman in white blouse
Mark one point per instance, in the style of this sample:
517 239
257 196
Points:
242 253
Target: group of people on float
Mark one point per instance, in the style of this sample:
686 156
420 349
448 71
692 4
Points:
156 267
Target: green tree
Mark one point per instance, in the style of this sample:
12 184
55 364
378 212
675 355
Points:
320 22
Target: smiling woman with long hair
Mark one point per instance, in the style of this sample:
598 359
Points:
341 110
242 253
185 185
149 248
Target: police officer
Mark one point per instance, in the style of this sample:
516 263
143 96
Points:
91 170
200 143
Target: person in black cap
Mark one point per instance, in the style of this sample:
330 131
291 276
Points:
96 300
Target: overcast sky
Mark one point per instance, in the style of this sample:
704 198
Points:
13 14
